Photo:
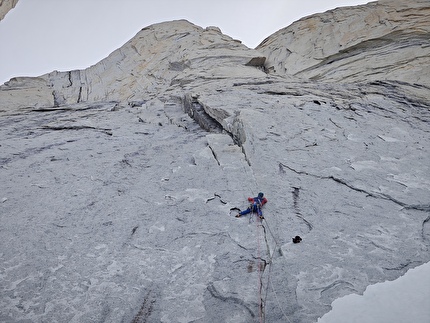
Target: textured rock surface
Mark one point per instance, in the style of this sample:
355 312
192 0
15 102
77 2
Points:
387 40
6 6
144 67
119 183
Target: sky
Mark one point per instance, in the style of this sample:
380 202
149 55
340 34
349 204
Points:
38 37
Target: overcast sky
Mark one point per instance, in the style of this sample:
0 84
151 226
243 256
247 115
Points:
40 36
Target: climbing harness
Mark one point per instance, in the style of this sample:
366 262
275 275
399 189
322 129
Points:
255 208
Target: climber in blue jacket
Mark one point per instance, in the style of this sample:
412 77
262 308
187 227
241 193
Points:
255 207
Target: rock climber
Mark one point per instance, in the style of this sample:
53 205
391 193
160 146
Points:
256 204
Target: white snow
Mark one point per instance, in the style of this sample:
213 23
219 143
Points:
406 299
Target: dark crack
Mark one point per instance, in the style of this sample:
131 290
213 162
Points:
267 246
336 284
296 195
30 152
178 66
214 293
59 128
374 195
381 247
58 100
145 311
197 112
425 231
79 95
421 207
254 83
257 61
70 79
401 266
133 231
335 123
215 156
281 169
216 196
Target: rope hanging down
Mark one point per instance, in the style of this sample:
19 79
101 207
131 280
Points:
262 301
260 277
270 271
263 263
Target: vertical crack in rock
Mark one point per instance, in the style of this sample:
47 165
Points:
245 156
145 310
58 100
296 192
79 95
267 246
281 169
197 112
262 267
70 79
214 154
425 232
133 231
296 195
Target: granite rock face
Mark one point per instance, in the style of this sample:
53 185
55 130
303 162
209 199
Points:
120 182
146 66
388 40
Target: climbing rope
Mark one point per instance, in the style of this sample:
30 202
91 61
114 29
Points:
262 302
269 280
271 233
271 255
260 275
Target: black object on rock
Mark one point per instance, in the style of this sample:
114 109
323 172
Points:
297 239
